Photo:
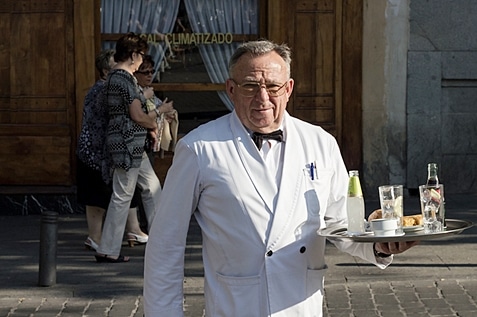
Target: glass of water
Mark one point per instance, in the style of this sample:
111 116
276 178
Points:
391 199
432 208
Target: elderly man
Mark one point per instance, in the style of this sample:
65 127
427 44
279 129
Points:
246 177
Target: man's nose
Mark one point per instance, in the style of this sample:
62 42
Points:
263 93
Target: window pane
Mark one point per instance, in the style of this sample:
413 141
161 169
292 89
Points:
190 41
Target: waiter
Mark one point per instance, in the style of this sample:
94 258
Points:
261 183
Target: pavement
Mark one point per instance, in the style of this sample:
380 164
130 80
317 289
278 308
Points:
436 278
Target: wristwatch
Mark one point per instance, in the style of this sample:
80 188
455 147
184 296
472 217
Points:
379 254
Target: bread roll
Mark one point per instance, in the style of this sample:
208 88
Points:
413 220
377 214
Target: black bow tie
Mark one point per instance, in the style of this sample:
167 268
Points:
259 137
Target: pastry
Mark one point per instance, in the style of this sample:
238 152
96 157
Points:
413 220
377 214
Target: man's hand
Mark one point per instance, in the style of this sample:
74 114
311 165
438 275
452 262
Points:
394 247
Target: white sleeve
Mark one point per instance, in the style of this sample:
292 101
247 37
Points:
164 257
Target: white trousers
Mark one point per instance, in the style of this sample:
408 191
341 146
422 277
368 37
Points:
124 184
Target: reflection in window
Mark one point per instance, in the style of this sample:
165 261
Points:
154 19
191 41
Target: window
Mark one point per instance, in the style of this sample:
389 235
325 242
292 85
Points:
191 42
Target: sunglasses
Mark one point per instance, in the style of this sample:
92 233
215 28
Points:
146 72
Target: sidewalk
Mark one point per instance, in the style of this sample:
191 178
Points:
436 278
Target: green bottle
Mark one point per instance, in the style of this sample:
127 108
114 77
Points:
355 205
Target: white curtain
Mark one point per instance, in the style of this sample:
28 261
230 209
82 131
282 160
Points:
221 16
143 17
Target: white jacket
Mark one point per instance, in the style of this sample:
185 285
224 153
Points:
252 267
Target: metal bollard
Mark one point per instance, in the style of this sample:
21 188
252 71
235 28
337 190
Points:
48 243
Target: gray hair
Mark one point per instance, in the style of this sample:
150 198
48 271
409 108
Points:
102 62
261 47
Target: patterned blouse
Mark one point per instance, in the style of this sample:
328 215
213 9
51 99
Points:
125 138
93 129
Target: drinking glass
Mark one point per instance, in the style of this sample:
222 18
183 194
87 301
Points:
391 199
432 208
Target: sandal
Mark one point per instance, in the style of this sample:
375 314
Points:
106 259
90 244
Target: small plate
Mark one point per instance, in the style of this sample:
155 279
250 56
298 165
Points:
412 228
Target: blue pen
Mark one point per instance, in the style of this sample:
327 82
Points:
311 171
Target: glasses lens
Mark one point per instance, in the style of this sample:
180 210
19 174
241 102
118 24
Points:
275 91
250 89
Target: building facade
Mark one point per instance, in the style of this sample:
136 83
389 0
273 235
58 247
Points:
395 89
419 93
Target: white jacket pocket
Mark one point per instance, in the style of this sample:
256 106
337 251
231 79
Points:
237 296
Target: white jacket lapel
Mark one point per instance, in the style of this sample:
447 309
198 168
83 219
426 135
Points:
290 185
253 163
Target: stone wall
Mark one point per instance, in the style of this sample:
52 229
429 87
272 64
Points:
442 93
385 46
419 93
35 204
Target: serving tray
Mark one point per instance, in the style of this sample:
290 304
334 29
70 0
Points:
454 226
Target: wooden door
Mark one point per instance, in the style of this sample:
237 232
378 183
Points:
37 117
326 39
47 64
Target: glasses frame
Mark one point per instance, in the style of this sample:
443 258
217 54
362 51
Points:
148 72
141 53
249 93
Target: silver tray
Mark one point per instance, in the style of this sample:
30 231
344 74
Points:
454 226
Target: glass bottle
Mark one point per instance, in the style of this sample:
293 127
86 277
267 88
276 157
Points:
432 179
436 193
355 205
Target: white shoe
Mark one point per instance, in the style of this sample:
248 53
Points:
90 244
136 239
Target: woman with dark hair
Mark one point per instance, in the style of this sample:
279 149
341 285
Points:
126 135
91 190
144 76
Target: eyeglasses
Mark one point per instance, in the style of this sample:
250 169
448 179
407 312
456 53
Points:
250 88
146 72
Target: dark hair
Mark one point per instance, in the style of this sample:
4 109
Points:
129 44
261 47
102 62
147 62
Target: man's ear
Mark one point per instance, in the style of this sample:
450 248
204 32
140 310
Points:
230 88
